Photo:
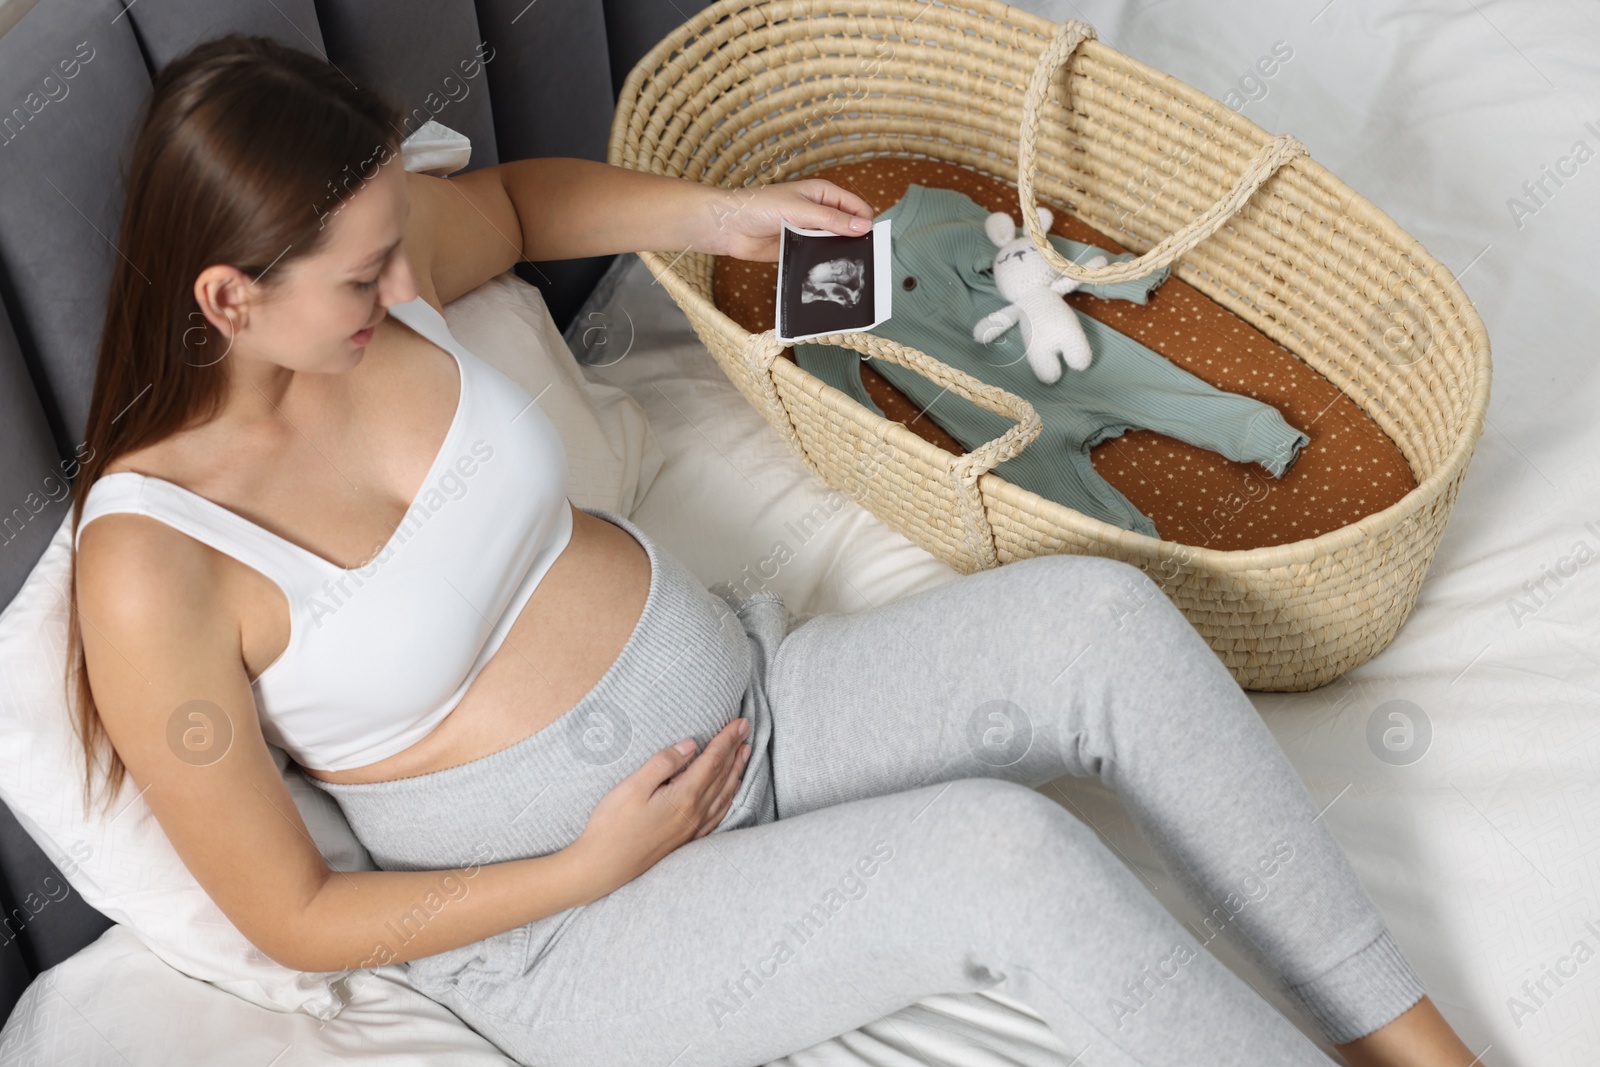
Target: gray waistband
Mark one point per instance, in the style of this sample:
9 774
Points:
693 661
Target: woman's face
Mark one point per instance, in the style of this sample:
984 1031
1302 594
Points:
322 310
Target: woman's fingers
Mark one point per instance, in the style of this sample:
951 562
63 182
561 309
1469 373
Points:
848 207
659 769
701 782
718 755
727 764
730 789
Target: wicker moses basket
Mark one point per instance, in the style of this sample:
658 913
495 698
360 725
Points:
750 92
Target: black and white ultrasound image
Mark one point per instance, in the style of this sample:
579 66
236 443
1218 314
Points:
827 284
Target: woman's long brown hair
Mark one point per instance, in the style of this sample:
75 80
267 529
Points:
246 148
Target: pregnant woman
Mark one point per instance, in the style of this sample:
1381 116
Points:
622 820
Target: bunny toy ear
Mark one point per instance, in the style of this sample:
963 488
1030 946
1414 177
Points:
1044 216
999 227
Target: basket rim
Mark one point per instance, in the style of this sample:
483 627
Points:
1332 543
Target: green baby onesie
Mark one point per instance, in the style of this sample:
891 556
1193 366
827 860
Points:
944 283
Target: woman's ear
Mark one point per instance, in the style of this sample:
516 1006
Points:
223 295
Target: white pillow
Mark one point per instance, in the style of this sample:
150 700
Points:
124 865
612 455
435 149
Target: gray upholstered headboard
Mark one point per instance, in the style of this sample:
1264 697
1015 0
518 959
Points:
548 89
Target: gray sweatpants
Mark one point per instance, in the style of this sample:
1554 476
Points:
888 844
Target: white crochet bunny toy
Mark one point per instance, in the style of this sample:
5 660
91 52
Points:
1050 328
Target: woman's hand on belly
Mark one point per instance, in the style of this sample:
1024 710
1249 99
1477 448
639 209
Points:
656 808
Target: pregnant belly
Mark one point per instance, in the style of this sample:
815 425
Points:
566 637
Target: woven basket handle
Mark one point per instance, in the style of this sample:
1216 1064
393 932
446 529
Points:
763 347
1271 157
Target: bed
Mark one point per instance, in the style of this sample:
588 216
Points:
1476 835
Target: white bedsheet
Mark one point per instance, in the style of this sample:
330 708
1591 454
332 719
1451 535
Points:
1483 853
117 1004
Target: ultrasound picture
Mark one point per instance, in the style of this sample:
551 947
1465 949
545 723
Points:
827 283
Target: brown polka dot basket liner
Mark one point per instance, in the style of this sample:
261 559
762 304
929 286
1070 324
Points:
749 92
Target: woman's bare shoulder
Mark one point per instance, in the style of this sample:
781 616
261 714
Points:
131 567
130 563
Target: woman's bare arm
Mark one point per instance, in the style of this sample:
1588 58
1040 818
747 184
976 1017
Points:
160 649
464 230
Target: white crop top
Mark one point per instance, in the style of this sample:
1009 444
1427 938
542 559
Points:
379 655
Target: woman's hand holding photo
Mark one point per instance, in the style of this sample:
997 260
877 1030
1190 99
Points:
745 223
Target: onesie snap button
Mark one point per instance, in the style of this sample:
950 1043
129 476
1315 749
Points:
909 283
